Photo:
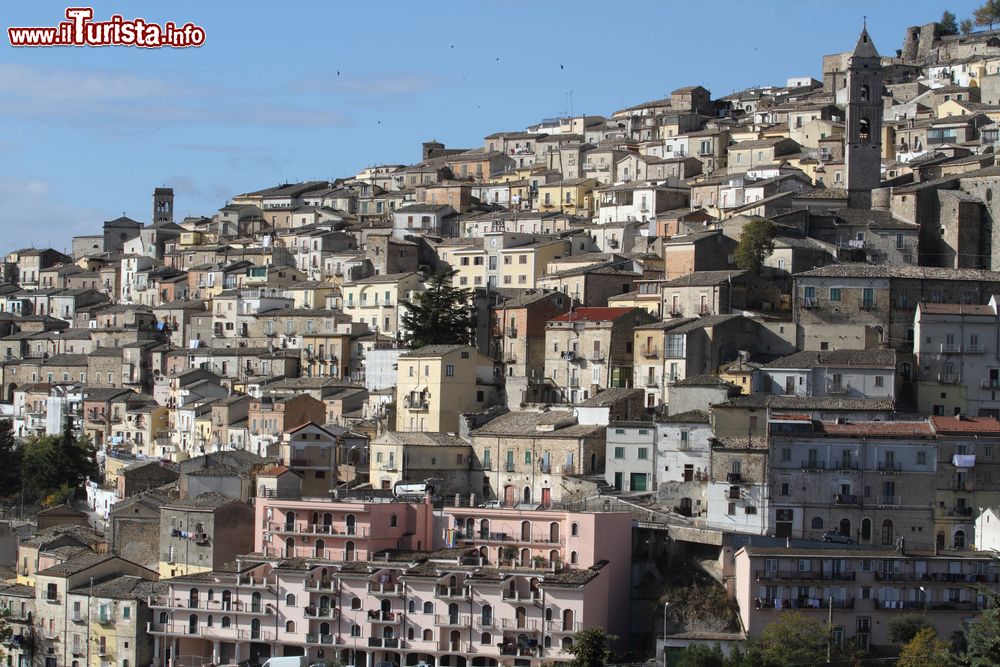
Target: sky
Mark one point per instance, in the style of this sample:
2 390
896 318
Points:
299 90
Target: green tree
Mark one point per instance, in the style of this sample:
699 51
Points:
440 315
795 639
756 244
58 466
904 628
591 648
965 26
10 461
948 25
982 638
702 655
988 14
926 650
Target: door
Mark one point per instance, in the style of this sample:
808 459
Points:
508 495
546 497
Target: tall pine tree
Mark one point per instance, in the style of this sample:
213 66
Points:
440 315
10 461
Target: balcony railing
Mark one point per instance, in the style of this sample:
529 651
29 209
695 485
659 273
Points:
990 383
888 500
651 353
889 466
949 348
385 589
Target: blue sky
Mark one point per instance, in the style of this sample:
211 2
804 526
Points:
87 133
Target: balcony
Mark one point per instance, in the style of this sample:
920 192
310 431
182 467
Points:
452 620
650 353
392 590
973 348
838 388
949 378
322 612
734 477
511 332
565 628
521 625
868 305
949 348
322 639
596 356
809 302
379 616
806 603
384 642
813 465
889 500
518 596
416 404
847 499
889 467
652 383
447 593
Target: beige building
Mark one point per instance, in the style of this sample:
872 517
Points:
375 300
444 461
590 349
532 457
437 383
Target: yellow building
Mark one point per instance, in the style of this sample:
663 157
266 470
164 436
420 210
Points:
435 384
410 458
522 266
375 300
574 196
469 263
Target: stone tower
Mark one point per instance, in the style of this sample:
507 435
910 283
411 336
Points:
163 205
863 124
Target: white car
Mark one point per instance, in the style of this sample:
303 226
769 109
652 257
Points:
491 505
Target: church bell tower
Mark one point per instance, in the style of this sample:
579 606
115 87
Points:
863 125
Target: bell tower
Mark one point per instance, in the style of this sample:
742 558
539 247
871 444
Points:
863 124
163 205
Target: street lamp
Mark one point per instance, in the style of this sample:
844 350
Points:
923 591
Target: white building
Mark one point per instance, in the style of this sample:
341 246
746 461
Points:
683 462
958 363
630 464
847 373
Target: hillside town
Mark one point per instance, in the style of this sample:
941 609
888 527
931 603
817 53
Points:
715 358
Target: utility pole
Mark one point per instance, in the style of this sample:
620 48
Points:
829 638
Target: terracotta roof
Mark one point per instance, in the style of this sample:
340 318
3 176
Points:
956 309
878 428
965 424
593 315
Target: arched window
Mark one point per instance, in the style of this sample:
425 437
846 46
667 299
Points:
290 600
209 621
412 606
290 626
486 638
163 617
355 603
866 93
355 630
428 607
428 635
392 521
320 549
845 527
409 633
959 539
866 530
225 621
573 558
567 643
349 551
817 523
574 529
864 129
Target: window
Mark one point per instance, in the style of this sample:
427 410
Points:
643 453
784 488
834 294
879 380
449 371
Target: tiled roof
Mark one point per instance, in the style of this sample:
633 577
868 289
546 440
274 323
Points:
899 272
956 309
593 315
813 359
965 424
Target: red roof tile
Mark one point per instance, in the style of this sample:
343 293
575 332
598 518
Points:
878 428
593 315
966 424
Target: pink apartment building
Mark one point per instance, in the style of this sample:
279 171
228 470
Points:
370 583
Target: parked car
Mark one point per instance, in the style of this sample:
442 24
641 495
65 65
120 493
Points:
834 536
492 505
